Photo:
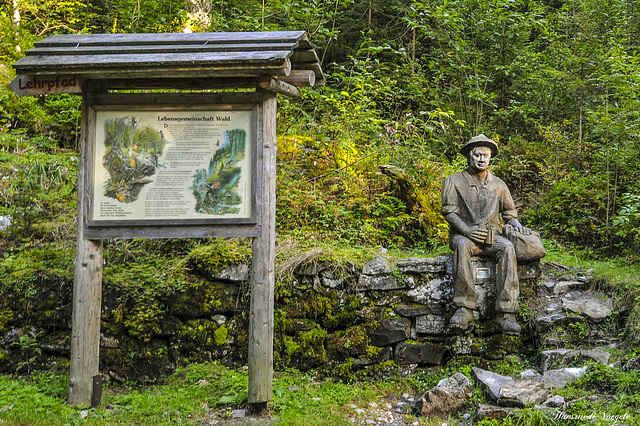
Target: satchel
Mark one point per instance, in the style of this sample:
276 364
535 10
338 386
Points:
528 246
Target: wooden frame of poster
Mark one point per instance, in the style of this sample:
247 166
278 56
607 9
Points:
162 165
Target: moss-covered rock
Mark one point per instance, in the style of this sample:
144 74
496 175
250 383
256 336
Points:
499 345
306 351
136 360
210 258
202 298
350 343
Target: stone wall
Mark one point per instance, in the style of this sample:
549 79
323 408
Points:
342 319
391 316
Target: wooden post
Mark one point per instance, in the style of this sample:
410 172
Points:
263 277
87 294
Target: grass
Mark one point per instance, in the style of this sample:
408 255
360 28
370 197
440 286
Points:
619 273
190 396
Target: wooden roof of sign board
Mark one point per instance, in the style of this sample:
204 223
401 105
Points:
169 56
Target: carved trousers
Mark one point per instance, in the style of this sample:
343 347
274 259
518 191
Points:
507 285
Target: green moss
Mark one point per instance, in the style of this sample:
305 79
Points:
307 350
134 360
386 367
341 314
373 351
220 335
499 345
345 369
24 272
196 335
6 315
221 252
347 343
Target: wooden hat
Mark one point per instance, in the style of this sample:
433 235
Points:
480 140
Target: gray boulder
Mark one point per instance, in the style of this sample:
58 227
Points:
592 307
446 398
416 265
557 358
555 401
438 291
521 393
234 273
419 353
493 412
377 266
431 325
561 377
383 282
390 331
491 383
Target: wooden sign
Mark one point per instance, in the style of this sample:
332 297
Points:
178 165
28 85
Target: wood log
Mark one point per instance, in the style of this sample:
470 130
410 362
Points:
300 78
280 87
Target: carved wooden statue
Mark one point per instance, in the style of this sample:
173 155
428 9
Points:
472 203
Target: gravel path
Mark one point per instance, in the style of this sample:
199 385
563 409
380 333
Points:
390 411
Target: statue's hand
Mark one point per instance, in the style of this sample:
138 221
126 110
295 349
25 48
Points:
477 234
522 229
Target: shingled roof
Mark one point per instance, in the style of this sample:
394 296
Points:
173 56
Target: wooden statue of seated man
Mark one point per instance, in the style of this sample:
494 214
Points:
472 203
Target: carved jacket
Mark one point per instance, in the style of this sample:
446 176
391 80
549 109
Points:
477 204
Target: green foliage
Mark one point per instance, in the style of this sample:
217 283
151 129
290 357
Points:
143 288
28 346
26 271
219 252
40 196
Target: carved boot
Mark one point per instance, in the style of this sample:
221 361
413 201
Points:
462 318
508 323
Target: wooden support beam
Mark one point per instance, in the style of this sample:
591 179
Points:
300 78
87 294
279 87
260 355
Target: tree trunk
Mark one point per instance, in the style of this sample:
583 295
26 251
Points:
200 11
16 24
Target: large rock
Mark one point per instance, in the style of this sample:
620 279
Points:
592 307
234 273
415 265
557 358
561 377
420 353
383 282
432 325
446 398
632 364
521 393
555 401
377 266
390 331
491 382
438 291
563 287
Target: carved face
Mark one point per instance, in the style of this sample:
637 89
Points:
479 158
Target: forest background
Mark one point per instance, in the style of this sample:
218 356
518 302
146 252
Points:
556 83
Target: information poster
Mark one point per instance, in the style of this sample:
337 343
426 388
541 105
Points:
176 165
